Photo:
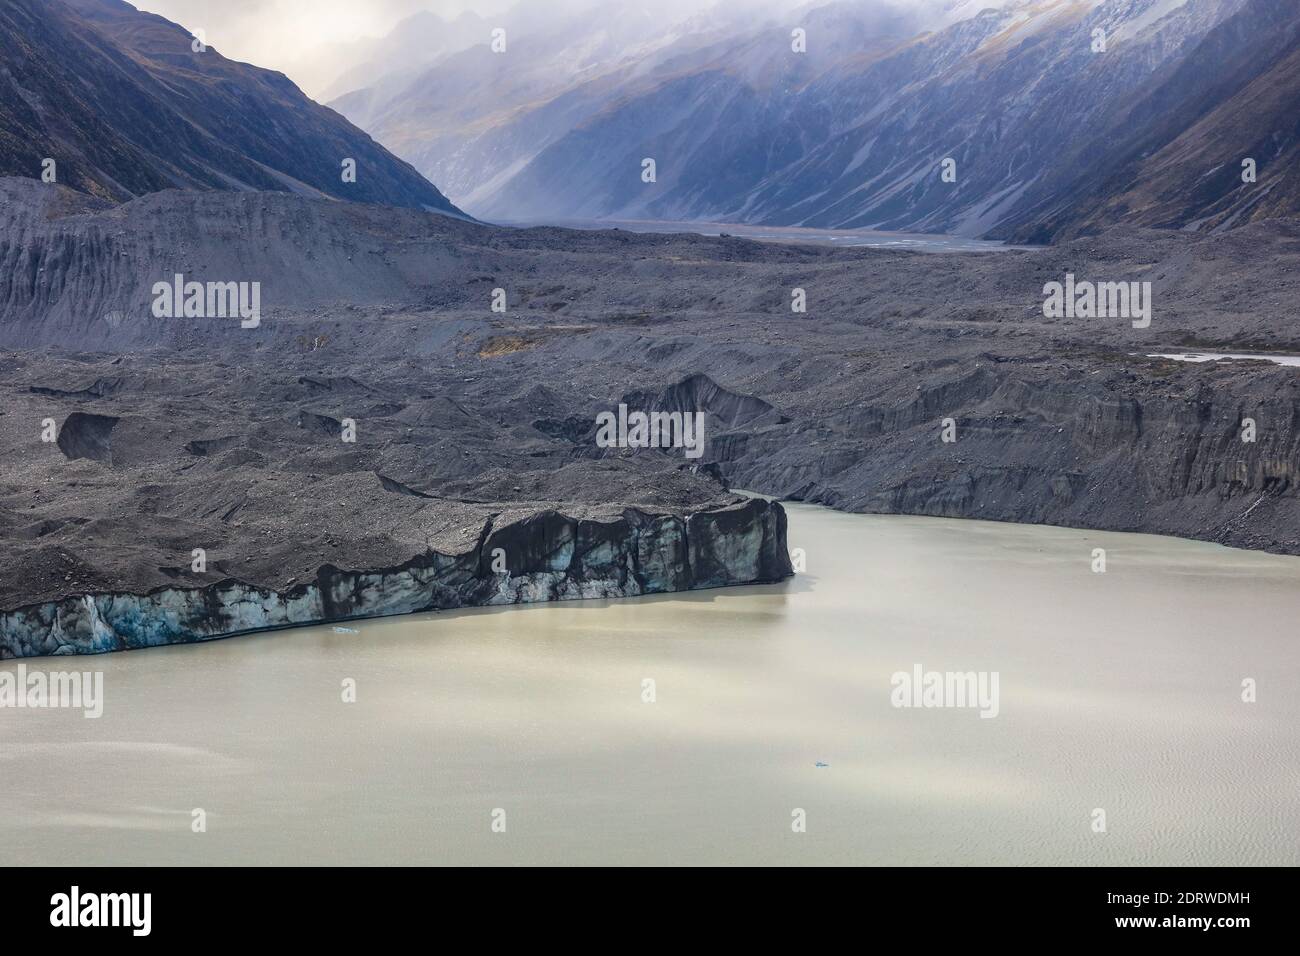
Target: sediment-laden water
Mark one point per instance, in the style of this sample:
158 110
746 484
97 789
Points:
1119 691
1293 360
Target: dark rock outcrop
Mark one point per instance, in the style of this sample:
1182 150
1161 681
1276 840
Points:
548 556
88 436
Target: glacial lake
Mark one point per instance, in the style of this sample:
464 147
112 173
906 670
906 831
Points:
1118 691
1276 359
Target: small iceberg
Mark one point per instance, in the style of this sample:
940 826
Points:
345 630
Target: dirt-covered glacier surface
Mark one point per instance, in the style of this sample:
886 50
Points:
183 498
917 384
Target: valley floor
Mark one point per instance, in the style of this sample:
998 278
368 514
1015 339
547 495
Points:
910 384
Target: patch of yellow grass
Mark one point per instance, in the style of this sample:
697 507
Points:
500 345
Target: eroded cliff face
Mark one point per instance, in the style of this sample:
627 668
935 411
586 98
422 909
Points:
1137 444
549 556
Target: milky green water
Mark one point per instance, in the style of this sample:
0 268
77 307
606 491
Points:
1118 691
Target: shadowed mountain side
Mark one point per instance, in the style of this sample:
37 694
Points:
123 104
1174 158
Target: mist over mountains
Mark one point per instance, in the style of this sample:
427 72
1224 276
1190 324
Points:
1053 118
1062 116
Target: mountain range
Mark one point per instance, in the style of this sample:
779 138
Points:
1027 120
1061 116
127 103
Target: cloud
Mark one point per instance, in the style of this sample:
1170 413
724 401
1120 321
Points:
314 41
298 37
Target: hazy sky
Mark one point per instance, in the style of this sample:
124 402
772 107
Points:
294 35
300 37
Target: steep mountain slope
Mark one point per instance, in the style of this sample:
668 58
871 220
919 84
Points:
1043 122
125 106
393 61
1180 148
470 118
717 120
1012 95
